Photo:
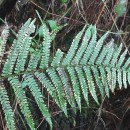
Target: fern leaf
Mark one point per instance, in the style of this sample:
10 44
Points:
34 60
108 56
88 67
104 79
23 55
17 46
75 85
90 83
98 81
125 79
127 63
83 84
3 40
113 79
83 46
24 49
119 76
116 55
48 85
121 59
57 59
97 48
102 56
69 56
90 47
58 87
45 47
66 86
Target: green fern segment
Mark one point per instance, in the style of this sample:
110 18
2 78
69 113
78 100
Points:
66 86
38 97
75 85
91 46
25 31
22 101
104 79
125 79
3 40
97 48
121 60
98 81
58 87
83 46
45 47
119 77
108 56
34 60
128 77
102 55
57 59
127 63
48 85
83 85
113 79
116 55
90 82
69 56
4 99
22 56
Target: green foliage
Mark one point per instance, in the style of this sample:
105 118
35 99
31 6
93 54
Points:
88 68
120 8
53 24
64 1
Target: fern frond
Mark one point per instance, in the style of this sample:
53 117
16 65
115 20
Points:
87 67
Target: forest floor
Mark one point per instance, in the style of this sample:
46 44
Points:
114 113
